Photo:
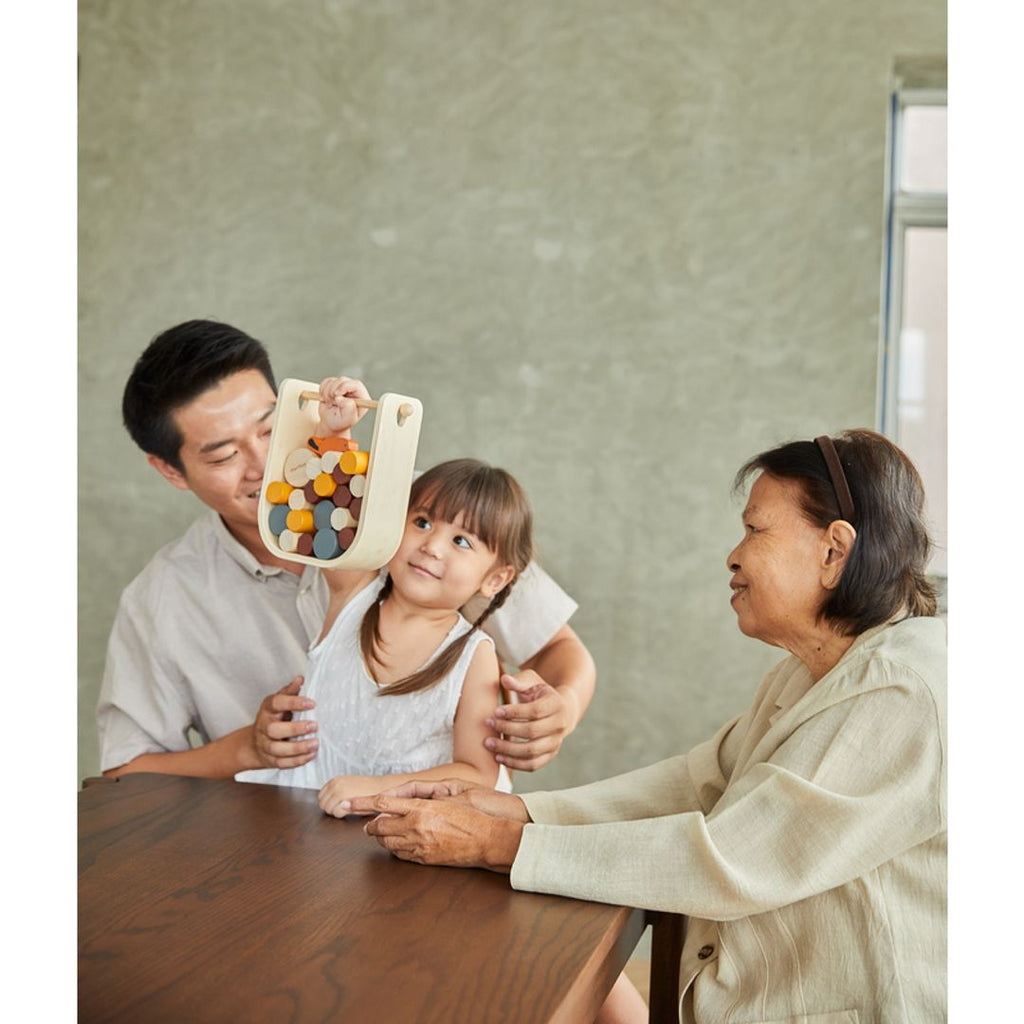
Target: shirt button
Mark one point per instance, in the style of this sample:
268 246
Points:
705 952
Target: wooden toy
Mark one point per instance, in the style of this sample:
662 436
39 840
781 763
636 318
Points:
351 505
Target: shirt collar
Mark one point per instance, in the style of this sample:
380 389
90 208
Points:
800 681
241 555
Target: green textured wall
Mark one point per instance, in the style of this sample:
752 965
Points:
616 248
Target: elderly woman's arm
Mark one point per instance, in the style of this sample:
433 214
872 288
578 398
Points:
689 782
852 786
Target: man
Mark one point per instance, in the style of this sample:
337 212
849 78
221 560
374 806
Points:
210 629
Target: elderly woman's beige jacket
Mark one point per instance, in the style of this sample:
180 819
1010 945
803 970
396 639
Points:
806 841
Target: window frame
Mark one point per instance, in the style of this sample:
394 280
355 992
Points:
903 210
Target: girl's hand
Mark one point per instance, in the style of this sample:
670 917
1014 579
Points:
480 798
443 832
338 411
335 796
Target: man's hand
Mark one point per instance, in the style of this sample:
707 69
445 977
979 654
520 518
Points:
540 723
442 832
274 728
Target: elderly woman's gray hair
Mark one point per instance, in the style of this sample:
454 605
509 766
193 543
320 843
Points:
885 573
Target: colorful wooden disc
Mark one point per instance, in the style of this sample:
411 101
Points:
324 485
340 518
278 491
277 520
325 544
323 514
354 462
289 541
300 520
295 466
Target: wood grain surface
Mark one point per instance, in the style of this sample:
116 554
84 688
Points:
207 900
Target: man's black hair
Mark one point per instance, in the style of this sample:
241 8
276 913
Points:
178 366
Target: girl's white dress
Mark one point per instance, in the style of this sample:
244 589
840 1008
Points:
362 732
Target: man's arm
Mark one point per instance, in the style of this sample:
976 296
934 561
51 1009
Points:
218 759
268 743
555 688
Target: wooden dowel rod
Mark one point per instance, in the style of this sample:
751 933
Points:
361 403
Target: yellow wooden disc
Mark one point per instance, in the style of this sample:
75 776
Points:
300 520
354 462
324 485
278 491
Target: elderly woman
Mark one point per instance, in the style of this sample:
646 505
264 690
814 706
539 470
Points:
806 839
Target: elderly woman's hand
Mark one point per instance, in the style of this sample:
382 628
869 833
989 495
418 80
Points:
442 832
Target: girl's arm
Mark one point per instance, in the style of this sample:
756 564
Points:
470 759
343 585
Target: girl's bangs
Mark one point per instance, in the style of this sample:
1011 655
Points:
463 496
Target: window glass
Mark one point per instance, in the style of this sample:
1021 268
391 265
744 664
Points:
923 150
921 388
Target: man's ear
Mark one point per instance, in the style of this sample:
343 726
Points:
839 540
173 476
497 579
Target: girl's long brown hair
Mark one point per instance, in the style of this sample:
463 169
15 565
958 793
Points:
495 508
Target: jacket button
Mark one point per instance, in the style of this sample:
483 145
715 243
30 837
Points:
705 952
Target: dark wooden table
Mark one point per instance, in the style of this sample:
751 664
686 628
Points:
204 900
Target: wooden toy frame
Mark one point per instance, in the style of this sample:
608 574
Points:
396 431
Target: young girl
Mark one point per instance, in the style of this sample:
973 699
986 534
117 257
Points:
402 682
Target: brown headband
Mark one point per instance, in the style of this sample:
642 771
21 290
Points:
836 474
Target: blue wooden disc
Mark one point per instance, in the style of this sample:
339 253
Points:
278 517
325 544
322 514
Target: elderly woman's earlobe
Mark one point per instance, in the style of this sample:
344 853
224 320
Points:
840 537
